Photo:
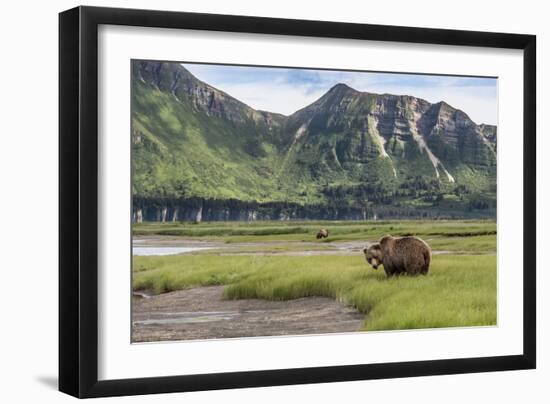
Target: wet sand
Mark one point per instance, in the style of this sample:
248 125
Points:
203 313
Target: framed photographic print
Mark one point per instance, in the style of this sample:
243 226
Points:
251 201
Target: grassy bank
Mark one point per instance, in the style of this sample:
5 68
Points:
261 231
459 291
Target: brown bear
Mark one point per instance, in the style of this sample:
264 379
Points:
323 233
400 255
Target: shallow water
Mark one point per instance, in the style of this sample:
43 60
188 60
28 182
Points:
144 251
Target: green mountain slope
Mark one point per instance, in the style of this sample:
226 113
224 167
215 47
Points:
348 151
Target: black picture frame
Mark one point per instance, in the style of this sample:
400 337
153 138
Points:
78 201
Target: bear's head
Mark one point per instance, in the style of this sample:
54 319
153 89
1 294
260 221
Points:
373 255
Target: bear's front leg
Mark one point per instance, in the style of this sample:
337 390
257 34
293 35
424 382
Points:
389 270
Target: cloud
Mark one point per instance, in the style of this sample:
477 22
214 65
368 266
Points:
285 90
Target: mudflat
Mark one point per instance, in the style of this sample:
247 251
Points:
204 313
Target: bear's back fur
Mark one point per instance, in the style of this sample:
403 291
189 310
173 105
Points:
410 255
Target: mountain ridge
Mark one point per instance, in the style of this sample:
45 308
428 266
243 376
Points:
373 145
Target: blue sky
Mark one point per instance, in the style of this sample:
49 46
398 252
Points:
286 90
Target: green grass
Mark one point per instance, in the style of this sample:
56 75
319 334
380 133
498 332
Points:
185 153
306 230
486 244
459 290
268 248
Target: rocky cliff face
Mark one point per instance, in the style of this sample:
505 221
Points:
354 127
350 149
174 79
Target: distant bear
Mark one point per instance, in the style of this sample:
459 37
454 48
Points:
323 233
400 255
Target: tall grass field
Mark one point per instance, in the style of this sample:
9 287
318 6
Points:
460 289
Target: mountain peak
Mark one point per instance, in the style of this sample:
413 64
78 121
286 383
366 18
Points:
349 148
175 79
337 92
341 87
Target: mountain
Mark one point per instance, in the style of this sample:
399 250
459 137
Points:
199 153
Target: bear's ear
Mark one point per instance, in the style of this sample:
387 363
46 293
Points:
375 247
385 239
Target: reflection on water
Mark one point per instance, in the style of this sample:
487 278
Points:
139 250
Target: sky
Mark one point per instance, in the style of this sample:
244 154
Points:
285 90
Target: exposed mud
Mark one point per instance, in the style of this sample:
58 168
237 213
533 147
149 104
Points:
203 313
161 245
